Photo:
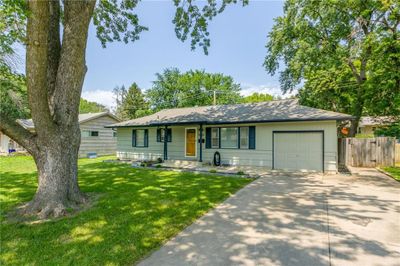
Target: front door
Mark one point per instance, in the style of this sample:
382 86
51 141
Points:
190 142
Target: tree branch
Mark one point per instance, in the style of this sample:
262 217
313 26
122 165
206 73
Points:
54 48
37 65
72 65
19 134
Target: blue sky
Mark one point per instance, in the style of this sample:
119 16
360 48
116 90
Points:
238 38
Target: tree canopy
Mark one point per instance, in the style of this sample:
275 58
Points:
256 97
86 106
173 89
131 103
347 53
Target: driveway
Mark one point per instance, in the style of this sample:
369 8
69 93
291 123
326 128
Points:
296 219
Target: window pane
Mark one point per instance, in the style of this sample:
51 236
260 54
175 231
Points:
94 133
140 138
229 137
244 137
85 133
214 138
114 133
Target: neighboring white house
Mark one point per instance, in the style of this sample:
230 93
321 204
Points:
95 138
9 145
368 124
277 134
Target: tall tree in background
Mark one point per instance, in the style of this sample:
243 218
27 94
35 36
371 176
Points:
346 52
174 89
130 103
55 71
258 97
86 106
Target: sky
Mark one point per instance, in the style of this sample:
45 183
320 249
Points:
238 39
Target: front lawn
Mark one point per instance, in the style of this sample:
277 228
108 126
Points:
137 211
393 171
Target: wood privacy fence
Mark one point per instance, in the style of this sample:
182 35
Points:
397 153
367 152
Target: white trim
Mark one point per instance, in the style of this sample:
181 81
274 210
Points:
195 146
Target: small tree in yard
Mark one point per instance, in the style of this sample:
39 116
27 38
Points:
55 71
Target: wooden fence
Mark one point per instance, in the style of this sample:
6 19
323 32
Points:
367 152
397 152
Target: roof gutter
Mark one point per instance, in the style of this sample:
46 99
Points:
235 122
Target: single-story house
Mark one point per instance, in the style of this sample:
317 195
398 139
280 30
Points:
95 138
277 135
368 124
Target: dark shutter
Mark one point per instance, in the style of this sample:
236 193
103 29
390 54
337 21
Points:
208 137
169 134
158 134
238 141
134 138
146 138
252 137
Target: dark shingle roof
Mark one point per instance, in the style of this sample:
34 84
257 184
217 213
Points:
273 111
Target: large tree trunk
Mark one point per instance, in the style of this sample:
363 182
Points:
58 188
55 75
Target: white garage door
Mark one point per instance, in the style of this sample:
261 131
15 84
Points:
298 151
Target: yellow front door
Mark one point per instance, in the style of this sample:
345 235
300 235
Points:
191 142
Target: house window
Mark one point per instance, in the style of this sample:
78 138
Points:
89 133
229 137
140 138
114 133
161 135
244 137
215 138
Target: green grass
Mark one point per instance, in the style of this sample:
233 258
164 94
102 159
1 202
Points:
393 171
138 210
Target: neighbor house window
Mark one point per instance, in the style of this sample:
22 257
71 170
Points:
215 138
244 137
229 137
89 133
114 133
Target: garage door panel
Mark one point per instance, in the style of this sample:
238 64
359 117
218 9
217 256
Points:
298 151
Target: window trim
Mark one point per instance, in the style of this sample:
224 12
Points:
237 138
238 147
144 138
240 138
218 138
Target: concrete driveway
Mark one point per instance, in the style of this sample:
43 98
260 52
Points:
295 219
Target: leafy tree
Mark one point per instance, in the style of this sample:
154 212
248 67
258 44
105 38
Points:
86 106
193 88
347 54
55 33
130 103
392 130
258 97
13 95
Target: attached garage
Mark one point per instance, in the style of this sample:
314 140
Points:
298 150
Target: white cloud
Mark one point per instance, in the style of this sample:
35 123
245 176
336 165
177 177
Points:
248 89
100 96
